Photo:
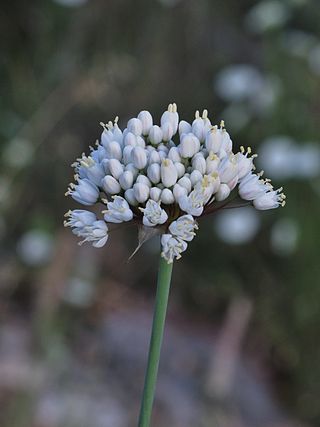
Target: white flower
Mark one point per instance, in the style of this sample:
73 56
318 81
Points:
222 193
110 185
135 126
147 164
169 174
118 211
180 169
270 200
184 228
193 204
153 173
146 119
170 117
153 214
186 183
115 167
172 247
167 196
126 180
167 131
184 127
78 218
113 150
84 192
139 157
213 140
130 197
245 163
228 168
174 154
97 233
199 163
85 224
155 194
155 135
141 192
212 162
189 145
252 186
179 191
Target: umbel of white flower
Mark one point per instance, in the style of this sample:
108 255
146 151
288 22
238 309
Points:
163 176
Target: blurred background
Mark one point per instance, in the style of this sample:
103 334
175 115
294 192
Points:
241 346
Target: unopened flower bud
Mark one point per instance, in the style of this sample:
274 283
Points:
186 183
126 180
140 142
195 177
142 179
212 162
167 196
126 154
154 157
179 191
141 192
135 126
174 154
130 197
139 157
222 193
113 150
199 163
169 174
130 139
146 120
180 169
184 127
189 145
213 140
115 167
167 131
110 185
155 135
153 173
130 167
155 193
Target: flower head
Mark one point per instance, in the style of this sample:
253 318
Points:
163 176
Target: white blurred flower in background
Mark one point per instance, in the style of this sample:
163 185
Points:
78 292
283 158
238 82
247 90
284 236
35 247
237 226
314 59
18 152
267 15
71 3
298 43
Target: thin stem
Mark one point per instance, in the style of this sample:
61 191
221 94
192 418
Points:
163 287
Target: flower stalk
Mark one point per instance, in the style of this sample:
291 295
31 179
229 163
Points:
161 303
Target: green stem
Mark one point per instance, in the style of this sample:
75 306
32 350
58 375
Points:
159 317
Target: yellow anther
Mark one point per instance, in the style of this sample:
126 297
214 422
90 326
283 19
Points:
222 124
205 114
197 114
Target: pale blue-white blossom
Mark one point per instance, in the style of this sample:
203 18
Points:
172 247
118 211
164 176
153 214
